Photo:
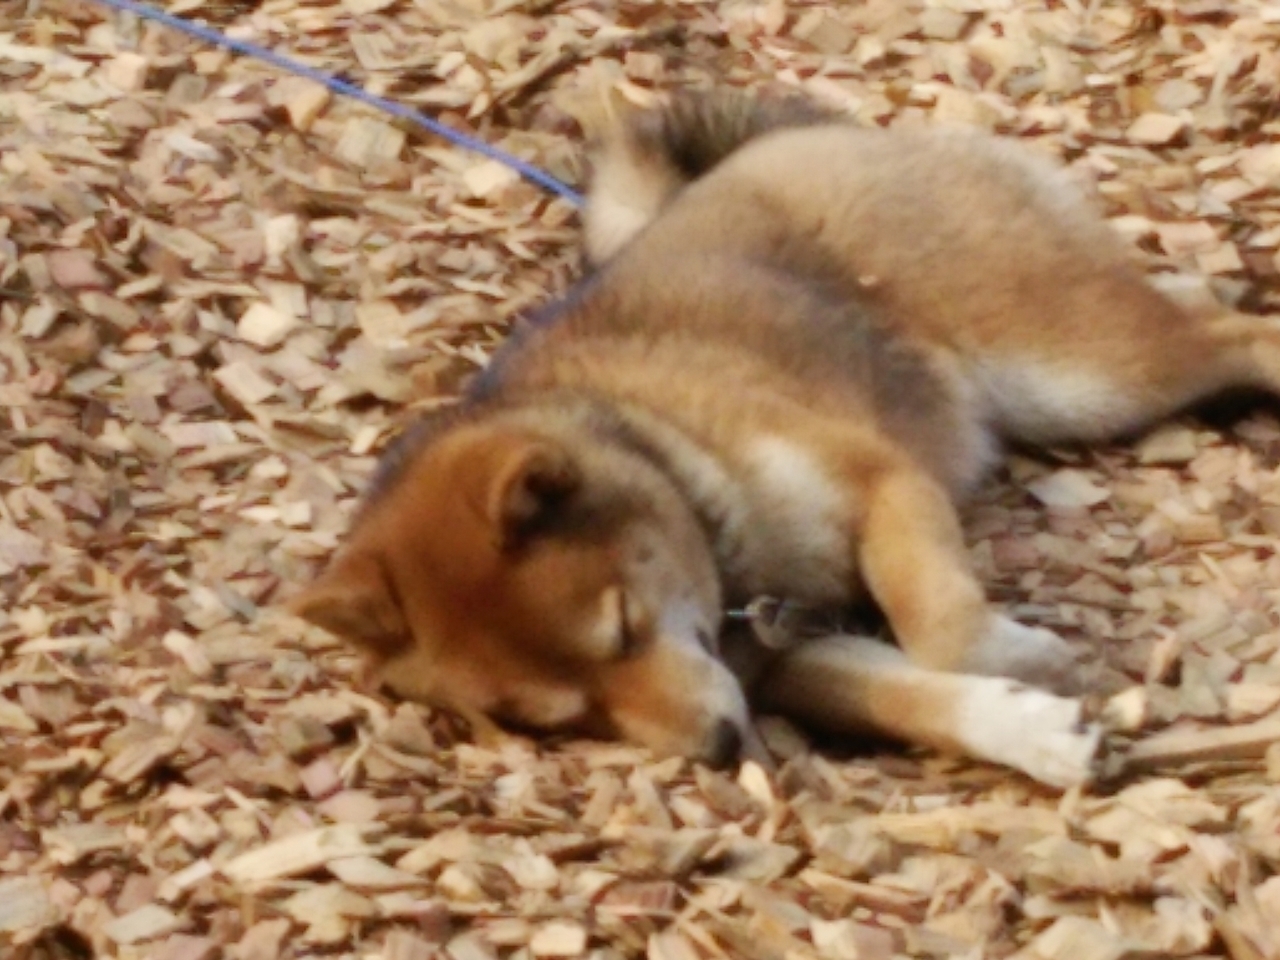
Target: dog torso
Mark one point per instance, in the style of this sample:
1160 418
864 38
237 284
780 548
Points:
764 399
809 311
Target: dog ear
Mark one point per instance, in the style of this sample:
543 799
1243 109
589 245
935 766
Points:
354 600
528 488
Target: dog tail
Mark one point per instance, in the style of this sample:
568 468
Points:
643 160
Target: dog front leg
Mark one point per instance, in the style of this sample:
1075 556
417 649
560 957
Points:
914 561
846 684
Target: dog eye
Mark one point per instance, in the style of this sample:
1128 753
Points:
630 638
709 641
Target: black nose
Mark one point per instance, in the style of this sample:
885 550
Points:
724 745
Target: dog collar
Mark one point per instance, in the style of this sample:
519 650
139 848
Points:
779 624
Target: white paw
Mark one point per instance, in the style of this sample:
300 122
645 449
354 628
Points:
1031 654
1043 735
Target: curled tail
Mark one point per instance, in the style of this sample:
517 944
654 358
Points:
643 160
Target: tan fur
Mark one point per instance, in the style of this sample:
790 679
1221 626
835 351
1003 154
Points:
800 352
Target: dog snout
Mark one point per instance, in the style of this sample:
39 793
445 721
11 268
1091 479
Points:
724 745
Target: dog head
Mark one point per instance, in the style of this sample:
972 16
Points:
541 580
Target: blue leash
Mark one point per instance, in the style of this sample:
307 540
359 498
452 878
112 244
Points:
217 38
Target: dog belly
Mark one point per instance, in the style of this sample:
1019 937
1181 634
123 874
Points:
1035 401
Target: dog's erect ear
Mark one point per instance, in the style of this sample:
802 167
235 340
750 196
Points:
526 489
354 600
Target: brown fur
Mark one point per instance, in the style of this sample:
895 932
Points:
799 352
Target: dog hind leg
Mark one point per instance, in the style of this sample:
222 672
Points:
1099 391
1245 351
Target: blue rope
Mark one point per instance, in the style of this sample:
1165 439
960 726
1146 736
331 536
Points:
288 64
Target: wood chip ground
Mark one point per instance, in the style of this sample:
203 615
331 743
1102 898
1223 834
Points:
222 289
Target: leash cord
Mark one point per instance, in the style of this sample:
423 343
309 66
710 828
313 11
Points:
215 37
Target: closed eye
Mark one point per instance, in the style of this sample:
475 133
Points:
709 641
612 634
506 717
630 638
540 707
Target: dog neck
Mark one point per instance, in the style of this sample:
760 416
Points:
696 472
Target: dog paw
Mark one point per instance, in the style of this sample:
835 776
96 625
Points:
1030 654
1045 736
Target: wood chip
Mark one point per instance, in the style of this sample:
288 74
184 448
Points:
558 939
1156 129
25 906
1173 444
304 100
297 854
264 326
327 911
366 140
245 383
71 844
145 923
367 873
1068 488
403 945
1180 747
1080 938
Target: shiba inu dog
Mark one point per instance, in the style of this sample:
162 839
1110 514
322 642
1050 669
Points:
799 349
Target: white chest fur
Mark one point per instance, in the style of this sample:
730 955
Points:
796 541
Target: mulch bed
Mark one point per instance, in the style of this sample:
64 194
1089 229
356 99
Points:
222 290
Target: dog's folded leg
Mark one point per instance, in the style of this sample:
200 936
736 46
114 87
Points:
913 558
915 563
847 684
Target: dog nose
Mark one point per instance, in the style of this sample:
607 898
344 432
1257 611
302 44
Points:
724 744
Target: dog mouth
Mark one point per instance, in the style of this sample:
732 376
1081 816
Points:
717 729
593 725
724 745
728 742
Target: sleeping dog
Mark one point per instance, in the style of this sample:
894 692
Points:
800 347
